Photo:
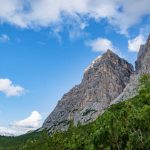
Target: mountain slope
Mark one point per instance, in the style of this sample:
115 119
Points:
125 125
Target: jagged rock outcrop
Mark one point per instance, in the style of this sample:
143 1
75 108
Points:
142 66
103 81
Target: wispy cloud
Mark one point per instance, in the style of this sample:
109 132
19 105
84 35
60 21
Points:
100 44
4 38
9 89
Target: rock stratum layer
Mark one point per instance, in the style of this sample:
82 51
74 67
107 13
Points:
108 80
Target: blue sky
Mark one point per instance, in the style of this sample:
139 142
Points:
44 53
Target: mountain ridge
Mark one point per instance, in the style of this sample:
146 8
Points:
107 80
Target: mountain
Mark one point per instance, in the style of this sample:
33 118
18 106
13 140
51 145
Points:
125 125
102 82
108 80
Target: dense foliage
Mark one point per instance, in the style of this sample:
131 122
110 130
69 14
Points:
124 126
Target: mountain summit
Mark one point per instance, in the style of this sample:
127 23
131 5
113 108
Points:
102 82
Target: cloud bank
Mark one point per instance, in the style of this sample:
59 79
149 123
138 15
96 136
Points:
44 13
30 123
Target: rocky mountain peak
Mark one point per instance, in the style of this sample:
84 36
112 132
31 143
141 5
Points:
99 61
108 56
109 53
103 81
107 80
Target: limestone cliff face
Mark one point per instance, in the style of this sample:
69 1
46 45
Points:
142 66
103 81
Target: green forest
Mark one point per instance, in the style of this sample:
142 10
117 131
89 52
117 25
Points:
123 126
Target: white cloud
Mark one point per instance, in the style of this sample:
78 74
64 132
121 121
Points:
123 14
9 89
30 123
33 121
100 44
7 131
4 38
131 13
134 44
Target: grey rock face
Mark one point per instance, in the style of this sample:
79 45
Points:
143 60
142 66
129 91
103 81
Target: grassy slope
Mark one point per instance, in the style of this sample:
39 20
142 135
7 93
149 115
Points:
124 126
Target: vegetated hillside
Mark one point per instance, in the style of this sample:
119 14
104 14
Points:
124 126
